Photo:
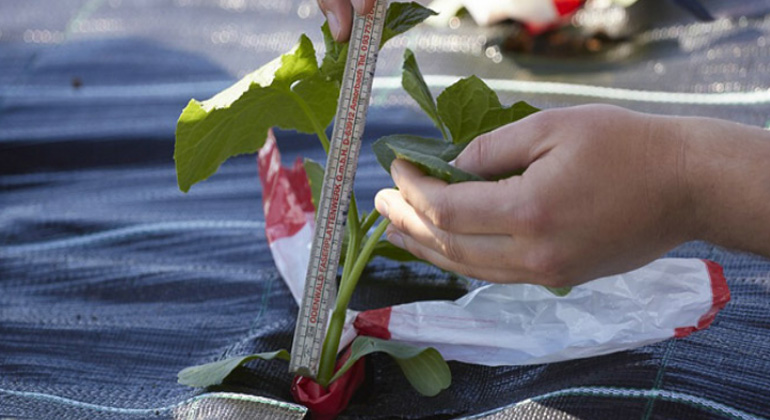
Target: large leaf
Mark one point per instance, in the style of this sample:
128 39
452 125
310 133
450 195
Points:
402 17
288 92
215 373
414 84
470 108
423 367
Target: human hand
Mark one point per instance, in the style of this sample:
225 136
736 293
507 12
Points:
604 192
338 14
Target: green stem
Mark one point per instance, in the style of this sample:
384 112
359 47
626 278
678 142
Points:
345 293
337 321
354 237
347 286
444 133
371 218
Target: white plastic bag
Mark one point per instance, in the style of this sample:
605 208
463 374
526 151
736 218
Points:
521 324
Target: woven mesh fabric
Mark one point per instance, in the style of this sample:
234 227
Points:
111 280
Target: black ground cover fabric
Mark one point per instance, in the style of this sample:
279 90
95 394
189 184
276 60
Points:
111 280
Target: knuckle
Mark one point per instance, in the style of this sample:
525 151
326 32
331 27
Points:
478 152
532 218
443 212
413 248
453 249
542 122
469 272
547 264
480 149
397 220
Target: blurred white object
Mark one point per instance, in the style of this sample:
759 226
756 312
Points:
536 13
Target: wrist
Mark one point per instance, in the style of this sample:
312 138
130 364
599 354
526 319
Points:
728 177
672 176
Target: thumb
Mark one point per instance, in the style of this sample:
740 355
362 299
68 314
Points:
505 150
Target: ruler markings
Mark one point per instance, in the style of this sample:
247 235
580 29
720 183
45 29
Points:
319 293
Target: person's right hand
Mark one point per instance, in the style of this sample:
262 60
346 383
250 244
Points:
338 14
605 191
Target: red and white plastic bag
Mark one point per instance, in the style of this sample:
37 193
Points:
511 324
537 15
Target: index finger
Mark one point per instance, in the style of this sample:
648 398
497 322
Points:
487 207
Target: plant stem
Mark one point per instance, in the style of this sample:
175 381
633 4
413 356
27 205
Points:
345 293
371 218
347 286
329 350
354 238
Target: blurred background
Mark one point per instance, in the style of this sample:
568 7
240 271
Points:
75 69
111 280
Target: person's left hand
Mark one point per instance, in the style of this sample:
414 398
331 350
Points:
338 14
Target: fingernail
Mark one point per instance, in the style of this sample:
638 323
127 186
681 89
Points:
381 205
358 6
334 24
453 162
396 239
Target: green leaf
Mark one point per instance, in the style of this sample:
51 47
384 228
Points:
559 291
423 367
288 92
402 17
333 63
470 108
215 373
315 177
426 145
429 154
414 84
434 166
387 250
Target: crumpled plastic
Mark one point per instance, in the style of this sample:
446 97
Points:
525 324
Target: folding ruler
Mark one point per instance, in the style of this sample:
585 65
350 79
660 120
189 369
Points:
320 282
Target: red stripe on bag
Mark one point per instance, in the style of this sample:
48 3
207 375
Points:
374 323
720 296
328 403
565 7
286 194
